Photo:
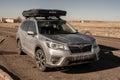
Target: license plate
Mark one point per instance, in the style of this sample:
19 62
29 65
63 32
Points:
82 57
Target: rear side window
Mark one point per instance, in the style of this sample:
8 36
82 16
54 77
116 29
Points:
25 25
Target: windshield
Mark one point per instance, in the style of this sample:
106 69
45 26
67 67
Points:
55 27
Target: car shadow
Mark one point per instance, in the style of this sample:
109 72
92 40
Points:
107 61
13 76
7 52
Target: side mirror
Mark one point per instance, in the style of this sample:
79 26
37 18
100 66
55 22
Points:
31 33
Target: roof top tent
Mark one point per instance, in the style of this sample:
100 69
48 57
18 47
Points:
44 13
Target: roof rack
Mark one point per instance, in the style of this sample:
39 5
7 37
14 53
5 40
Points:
44 13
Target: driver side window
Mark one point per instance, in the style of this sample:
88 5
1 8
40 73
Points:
32 27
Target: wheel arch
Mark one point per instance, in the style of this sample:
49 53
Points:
38 47
17 40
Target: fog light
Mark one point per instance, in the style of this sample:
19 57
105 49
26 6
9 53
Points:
55 59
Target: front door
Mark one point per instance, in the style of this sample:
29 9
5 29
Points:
31 39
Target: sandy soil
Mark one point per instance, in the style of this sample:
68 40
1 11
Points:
106 29
22 67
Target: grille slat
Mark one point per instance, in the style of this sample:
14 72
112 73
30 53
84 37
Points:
80 48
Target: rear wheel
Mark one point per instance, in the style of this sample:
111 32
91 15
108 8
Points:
20 52
41 60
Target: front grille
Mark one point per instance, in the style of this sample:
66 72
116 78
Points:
80 48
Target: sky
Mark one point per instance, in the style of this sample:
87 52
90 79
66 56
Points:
107 10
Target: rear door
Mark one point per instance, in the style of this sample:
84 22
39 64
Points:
23 33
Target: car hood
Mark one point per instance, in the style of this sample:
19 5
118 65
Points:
77 38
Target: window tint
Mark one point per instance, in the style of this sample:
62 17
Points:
32 26
25 25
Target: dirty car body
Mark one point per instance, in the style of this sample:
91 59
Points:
61 43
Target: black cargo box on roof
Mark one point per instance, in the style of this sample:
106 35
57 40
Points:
43 13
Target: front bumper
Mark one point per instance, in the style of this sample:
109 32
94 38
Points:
60 58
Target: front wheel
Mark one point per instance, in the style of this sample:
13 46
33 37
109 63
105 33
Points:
41 60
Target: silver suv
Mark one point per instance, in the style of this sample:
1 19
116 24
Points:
52 42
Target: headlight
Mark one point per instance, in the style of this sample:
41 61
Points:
57 46
95 44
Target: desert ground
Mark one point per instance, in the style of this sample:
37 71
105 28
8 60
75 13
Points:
23 67
98 28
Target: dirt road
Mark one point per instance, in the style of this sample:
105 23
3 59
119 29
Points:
22 67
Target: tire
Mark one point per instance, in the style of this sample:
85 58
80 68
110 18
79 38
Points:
41 60
20 52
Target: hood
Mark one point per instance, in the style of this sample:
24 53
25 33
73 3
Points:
72 38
